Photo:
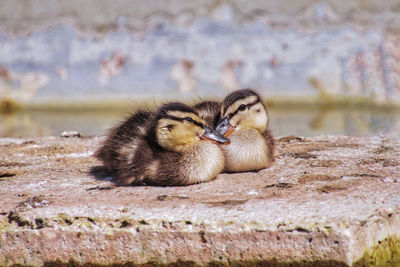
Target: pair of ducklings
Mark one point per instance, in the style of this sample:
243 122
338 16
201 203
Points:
175 145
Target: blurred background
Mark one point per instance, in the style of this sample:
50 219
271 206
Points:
323 67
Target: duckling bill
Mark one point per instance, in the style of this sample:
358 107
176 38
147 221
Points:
169 147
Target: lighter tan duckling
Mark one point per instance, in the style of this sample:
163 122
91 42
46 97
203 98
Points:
170 147
244 120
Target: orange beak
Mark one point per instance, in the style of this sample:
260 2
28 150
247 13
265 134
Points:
224 127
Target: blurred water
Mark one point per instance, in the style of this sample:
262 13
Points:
309 121
293 120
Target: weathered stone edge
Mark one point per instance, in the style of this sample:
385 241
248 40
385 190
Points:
83 240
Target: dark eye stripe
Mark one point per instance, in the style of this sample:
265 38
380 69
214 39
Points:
185 119
230 115
197 123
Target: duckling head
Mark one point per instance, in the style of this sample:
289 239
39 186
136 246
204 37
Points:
178 126
242 109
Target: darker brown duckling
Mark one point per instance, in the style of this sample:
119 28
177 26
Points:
172 146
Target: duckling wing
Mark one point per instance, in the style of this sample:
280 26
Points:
209 111
135 125
122 139
270 143
164 169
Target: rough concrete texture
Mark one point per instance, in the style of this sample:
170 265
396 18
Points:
324 202
111 49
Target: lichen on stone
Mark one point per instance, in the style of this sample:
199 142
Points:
385 253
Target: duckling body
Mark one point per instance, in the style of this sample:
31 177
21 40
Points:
123 140
244 120
168 147
248 151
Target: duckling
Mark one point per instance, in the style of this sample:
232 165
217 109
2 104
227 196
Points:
169 147
244 120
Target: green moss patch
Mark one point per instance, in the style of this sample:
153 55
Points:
385 253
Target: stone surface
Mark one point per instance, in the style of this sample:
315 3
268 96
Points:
325 201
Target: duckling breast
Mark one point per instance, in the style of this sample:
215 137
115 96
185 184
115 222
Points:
247 151
201 162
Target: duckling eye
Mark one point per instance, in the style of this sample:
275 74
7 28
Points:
189 119
242 107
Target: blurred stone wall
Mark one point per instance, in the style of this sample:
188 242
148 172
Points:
99 49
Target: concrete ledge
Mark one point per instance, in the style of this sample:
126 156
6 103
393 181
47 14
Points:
326 201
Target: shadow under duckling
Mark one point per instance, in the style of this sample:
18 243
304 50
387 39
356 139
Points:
244 120
169 147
